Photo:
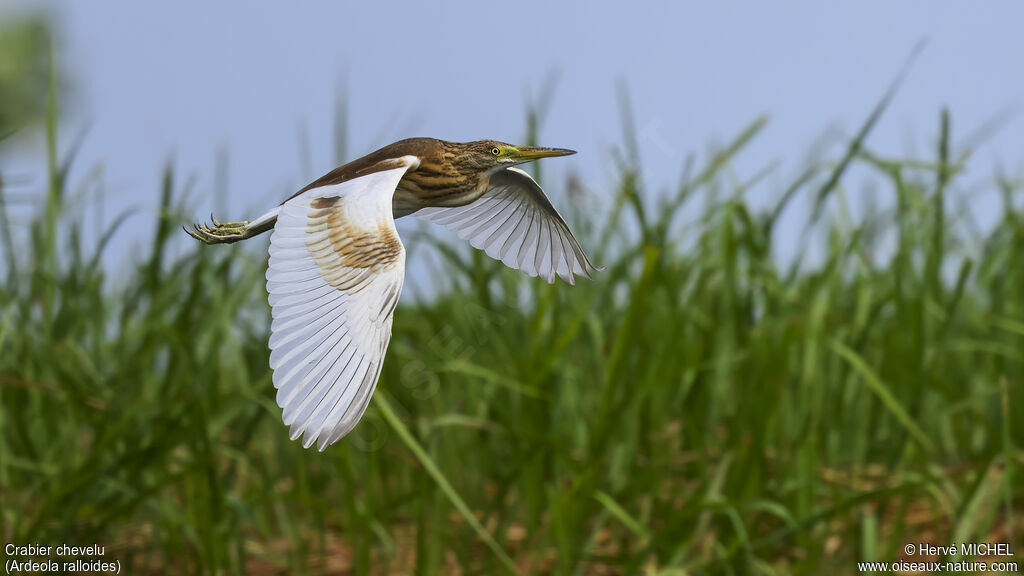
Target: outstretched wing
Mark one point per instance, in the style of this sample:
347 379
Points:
335 275
515 222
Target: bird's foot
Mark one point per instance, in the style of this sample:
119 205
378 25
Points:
219 232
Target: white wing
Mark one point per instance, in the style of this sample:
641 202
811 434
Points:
335 275
515 222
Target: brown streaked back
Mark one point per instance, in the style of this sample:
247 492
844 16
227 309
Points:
372 162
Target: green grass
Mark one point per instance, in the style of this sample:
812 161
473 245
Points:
699 408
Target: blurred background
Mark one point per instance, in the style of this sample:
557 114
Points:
804 352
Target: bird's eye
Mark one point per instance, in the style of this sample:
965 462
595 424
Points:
496 151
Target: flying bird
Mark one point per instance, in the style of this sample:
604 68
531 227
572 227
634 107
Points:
337 264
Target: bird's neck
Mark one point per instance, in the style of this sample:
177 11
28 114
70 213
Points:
437 184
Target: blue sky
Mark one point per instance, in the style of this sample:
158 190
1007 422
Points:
184 79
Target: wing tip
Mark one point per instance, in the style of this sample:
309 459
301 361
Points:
310 437
323 443
585 272
592 268
324 438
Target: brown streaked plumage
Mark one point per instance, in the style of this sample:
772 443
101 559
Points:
355 247
337 264
449 174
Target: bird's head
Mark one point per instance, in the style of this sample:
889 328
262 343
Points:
489 156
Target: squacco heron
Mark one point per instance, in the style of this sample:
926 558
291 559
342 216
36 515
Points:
337 264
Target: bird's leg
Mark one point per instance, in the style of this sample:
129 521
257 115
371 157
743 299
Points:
221 232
